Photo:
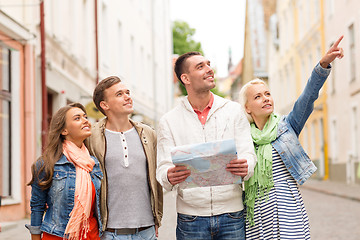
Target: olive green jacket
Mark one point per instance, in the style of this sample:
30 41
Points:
96 144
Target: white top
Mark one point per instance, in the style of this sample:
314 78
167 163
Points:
181 126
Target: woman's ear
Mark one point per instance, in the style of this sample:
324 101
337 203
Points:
247 109
64 132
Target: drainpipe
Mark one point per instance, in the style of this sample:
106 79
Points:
96 43
154 60
44 121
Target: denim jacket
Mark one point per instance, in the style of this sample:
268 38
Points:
287 143
58 200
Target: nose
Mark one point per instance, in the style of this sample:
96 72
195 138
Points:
209 69
85 120
266 98
127 96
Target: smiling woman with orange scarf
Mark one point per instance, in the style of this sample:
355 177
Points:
66 181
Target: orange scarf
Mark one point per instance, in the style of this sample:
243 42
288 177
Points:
78 224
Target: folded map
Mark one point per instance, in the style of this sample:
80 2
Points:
207 162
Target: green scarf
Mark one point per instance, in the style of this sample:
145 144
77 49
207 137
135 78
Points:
262 179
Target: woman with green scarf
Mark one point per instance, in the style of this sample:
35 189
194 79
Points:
274 206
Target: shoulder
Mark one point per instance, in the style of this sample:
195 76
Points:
174 113
97 127
139 126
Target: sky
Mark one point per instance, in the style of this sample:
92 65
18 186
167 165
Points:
219 26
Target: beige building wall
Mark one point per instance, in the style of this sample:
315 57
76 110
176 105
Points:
343 18
292 57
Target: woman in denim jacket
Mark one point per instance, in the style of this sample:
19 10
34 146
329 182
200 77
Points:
66 181
274 206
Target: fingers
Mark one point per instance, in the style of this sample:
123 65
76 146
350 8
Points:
178 174
337 54
336 44
238 167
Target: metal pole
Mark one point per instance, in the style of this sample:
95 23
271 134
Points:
44 105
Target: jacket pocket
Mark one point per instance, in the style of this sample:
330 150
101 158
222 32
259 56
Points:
58 181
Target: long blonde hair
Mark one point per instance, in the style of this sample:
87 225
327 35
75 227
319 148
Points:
53 150
243 93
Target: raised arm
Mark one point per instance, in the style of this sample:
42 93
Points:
304 105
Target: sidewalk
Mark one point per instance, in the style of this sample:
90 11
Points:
338 189
17 231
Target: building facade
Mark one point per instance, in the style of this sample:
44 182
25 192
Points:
85 42
342 18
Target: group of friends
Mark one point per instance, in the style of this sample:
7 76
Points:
106 181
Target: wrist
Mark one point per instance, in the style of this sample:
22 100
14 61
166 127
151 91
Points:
324 64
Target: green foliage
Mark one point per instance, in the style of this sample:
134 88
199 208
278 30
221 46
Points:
183 42
183 38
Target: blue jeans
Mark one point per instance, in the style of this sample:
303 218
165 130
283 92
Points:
225 226
147 234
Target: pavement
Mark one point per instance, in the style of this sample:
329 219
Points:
17 231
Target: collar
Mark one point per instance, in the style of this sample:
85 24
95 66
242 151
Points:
207 106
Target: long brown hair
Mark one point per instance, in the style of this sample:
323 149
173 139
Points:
44 166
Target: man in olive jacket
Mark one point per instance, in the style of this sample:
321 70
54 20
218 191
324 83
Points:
131 198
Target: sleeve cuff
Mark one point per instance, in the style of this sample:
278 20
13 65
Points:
323 71
33 229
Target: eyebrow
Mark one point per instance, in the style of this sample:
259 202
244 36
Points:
122 90
203 62
78 115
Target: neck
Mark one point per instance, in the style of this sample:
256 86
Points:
119 124
77 142
260 122
199 100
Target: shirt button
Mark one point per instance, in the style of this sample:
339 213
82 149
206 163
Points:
126 156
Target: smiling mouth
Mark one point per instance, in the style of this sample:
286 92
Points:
86 127
267 105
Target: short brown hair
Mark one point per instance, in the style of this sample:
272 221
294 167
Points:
180 64
99 95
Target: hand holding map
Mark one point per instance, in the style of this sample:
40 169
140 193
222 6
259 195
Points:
207 163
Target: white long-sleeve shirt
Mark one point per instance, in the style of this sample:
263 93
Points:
181 126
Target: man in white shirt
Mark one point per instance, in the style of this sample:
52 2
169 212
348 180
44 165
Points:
215 212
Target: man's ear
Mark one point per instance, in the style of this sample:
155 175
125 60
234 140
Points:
184 78
104 105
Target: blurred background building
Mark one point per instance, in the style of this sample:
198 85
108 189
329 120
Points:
298 33
53 53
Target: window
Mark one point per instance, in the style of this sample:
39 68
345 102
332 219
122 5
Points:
331 5
333 141
120 54
105 36
332 87
313 140
354 132
5 122
9 68
352 53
